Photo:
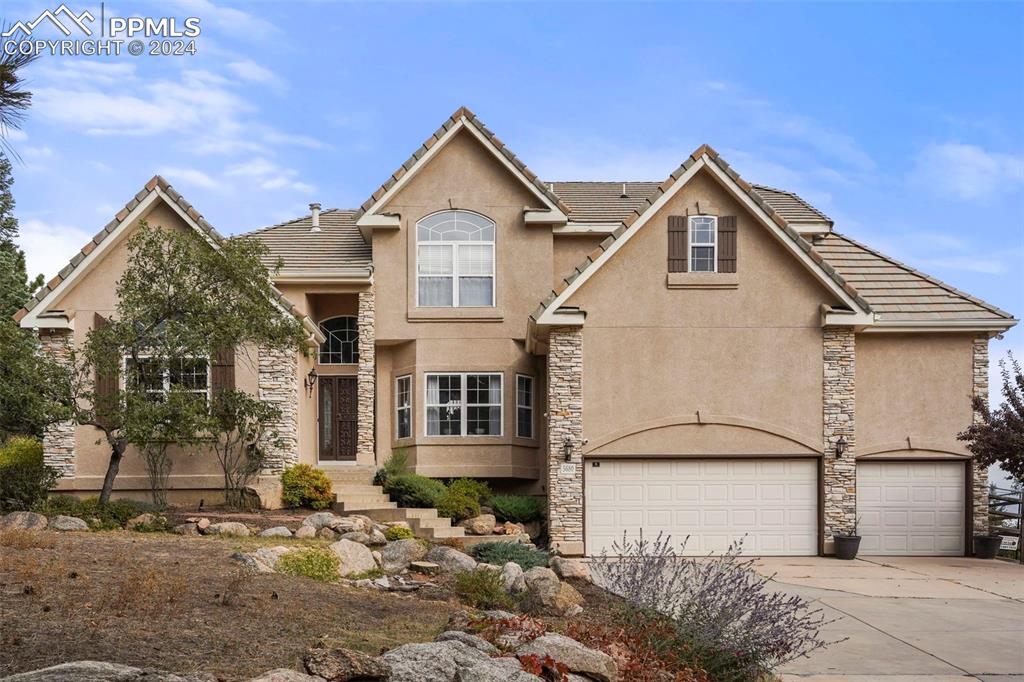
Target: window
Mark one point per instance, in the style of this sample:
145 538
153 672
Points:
190 375
455 260
403 407
524 406
463 404
342 344
703 243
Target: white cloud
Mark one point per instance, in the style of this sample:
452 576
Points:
968 171
250 71
231 21
266 174
189 176
49 246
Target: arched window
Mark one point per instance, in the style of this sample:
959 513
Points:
455 260
342 344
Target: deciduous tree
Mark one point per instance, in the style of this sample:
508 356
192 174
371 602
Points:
998 436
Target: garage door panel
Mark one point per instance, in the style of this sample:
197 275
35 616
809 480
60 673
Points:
715 502
911 508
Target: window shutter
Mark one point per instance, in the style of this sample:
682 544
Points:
222 371
727 243
105 386
677 243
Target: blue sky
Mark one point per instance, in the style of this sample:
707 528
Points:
901 121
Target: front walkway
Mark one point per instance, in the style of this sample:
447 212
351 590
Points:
910 618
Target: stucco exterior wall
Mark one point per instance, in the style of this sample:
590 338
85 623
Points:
569 251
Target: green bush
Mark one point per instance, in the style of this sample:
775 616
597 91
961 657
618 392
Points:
316 563
517 508
500 553
478 490
111 516
483 589
413 490
397 463
457 506
24 478
306 486
398 533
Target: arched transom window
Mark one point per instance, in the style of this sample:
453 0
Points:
342 344
455 260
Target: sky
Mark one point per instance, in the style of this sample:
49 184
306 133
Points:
902 122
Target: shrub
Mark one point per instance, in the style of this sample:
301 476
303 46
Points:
478 490
115 514
413 490
398 533
734 627
397 463
483 589
517 508
369 574
316 563
306 486
500 553
457 506
24 478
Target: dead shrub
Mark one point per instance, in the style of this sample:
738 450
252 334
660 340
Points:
18 538
145 590
236 582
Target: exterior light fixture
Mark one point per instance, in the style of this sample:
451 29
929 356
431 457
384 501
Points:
310 381
840 446
567 448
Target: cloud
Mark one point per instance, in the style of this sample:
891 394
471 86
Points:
49 246
250 71
268 175
231 21
189 176
968 171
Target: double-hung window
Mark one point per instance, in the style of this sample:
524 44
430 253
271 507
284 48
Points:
455 260
403 407
191 375
703 246
463 404
524 406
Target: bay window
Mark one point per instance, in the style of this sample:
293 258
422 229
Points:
463 404
455 260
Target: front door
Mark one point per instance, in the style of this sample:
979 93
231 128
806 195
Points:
338 425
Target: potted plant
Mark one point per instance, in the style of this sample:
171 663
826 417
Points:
847 544
987 546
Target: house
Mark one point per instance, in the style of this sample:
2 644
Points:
700 355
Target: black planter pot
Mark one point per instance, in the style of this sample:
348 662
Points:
847 546
986 546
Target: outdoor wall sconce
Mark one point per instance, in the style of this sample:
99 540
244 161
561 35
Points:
567 448
840 446
309 382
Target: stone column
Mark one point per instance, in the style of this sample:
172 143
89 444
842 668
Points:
979 482
278 383
565 420
59 438
840 473
366 379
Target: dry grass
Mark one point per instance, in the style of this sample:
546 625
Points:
17 538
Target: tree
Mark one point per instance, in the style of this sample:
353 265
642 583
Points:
35 388
15 287
239 425
182 300
14 99
998 436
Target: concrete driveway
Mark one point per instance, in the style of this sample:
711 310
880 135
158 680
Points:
910 618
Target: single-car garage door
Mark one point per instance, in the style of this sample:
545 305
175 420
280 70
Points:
911 508
714 501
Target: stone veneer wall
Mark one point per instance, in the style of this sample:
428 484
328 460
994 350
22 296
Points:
565 419
980 480
59 438
366 379
278 385
840 473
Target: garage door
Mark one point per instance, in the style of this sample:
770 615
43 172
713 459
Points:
772 501
911 508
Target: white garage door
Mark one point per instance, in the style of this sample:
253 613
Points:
911 508
714 501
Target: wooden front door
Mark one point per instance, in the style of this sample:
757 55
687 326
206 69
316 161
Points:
338 423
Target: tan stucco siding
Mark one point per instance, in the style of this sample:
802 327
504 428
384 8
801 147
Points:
913 386
569 252
748 359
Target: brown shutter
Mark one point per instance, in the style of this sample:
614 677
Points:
222 372
727 243
677 243
106 385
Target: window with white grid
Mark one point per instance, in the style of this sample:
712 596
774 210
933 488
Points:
703 234
463 404
192 375
403 406
455 260
524 406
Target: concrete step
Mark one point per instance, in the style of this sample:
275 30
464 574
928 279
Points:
365 508
437 533
401 514
345 474
346 490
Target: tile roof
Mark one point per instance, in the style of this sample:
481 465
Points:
338 244
602 202
897 292
453 120
790 206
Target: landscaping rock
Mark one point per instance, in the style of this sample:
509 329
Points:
140 520
67 523
377 538
576 657
23 520
397 555
343 665
228 528
326 533
355 558
187 529
286 675
97 671
305 531
512 578
547 595
424 567
532 529
469 640
480 525
433 662
276 532
356 536
570 568
496 670
376 557
263 560
451 559
324 519
203 524
511 528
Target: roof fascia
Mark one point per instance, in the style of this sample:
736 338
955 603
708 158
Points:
915 326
